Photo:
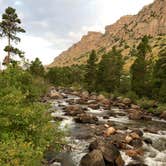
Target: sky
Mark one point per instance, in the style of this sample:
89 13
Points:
52 26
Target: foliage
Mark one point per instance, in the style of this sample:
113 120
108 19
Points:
109 71
9 27
159 77
139 68
66 76
25 128
36 68
145 103
91 72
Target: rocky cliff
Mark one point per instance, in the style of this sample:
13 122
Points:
151 20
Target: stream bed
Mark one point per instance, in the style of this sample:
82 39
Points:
82 134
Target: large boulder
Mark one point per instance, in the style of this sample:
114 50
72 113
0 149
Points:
94 158
110 152
135 115
73 110
126 101
86 118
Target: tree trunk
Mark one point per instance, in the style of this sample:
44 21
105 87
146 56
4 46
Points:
9 44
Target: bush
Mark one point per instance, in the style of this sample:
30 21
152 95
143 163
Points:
145 103
161 108
26 130
132 95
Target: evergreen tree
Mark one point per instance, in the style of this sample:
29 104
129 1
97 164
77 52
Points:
139 68
36 67
109 71
9 28
159 77
90 74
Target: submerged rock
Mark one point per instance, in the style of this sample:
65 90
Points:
85 118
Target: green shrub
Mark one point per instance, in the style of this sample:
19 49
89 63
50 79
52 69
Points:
26 130
145 103
161 108
132 95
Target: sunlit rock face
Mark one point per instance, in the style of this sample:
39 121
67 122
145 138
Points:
151 20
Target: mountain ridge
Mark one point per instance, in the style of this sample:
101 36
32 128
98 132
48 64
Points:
151 21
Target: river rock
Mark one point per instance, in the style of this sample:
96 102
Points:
127 101
85 118
53 94
148 141
134 152
94 106
139 132
81 101
110 152
94 158
101 98
134 106
163 115
73 110
146 117
93 97
135 115
110 131
128 138
136 143
134 135
85 95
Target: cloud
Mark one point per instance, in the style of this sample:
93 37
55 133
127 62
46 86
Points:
62 22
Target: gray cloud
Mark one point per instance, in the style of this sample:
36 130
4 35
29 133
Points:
54 19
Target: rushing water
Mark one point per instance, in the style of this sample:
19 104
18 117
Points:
155 154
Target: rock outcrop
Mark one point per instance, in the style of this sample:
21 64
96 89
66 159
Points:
151 20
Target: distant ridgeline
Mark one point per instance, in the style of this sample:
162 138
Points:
125 34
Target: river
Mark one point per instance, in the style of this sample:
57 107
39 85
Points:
81 135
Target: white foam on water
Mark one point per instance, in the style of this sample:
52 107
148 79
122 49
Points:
79 149
126 158
67 123
96 111
154 157
121 119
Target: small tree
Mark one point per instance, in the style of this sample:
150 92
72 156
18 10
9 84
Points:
9 28
90 75
36 67
138 70
109 71
159 77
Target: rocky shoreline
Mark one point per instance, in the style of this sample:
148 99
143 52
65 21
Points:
112 128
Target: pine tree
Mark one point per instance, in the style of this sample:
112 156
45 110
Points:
109 71
9 28
36 67
159 77
90 75
139 68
